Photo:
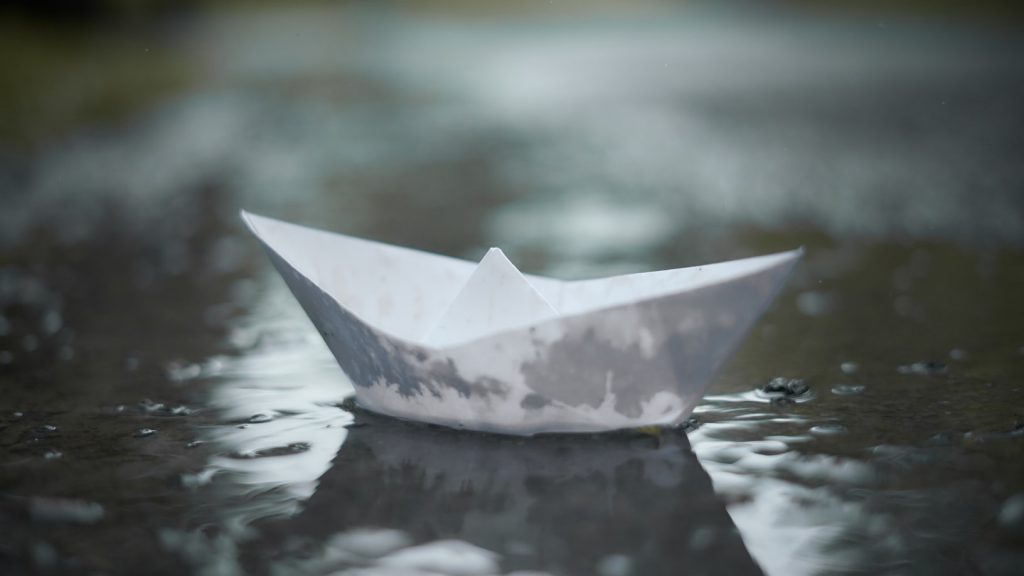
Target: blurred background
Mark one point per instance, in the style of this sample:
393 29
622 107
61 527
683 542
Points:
138 320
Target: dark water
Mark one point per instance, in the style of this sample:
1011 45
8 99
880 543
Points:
166 408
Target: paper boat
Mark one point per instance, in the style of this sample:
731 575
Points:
483 347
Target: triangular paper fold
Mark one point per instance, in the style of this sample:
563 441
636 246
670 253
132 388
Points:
497 296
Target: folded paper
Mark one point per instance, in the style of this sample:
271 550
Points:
482 346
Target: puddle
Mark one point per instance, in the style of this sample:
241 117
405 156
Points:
168 408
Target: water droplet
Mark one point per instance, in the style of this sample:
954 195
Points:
131 363
66 353
53 455
260 418
17 415
194 444
928 368
847 389
6 357
958 354
144 432
849 367
5 326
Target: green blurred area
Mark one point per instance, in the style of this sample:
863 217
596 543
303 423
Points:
70 64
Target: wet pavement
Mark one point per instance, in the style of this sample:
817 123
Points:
166 407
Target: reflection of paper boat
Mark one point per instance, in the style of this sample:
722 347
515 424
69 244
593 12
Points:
558 503
481 346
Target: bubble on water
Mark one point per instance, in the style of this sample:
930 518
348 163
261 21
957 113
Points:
65 510
958 354
144 432
615 565
849 367
260 418
452 557
53 455
847 389
828 430
928 368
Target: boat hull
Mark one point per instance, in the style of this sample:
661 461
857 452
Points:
645 363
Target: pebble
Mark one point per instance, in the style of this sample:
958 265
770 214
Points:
786 386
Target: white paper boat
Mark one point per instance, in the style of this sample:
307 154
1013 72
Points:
484 347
